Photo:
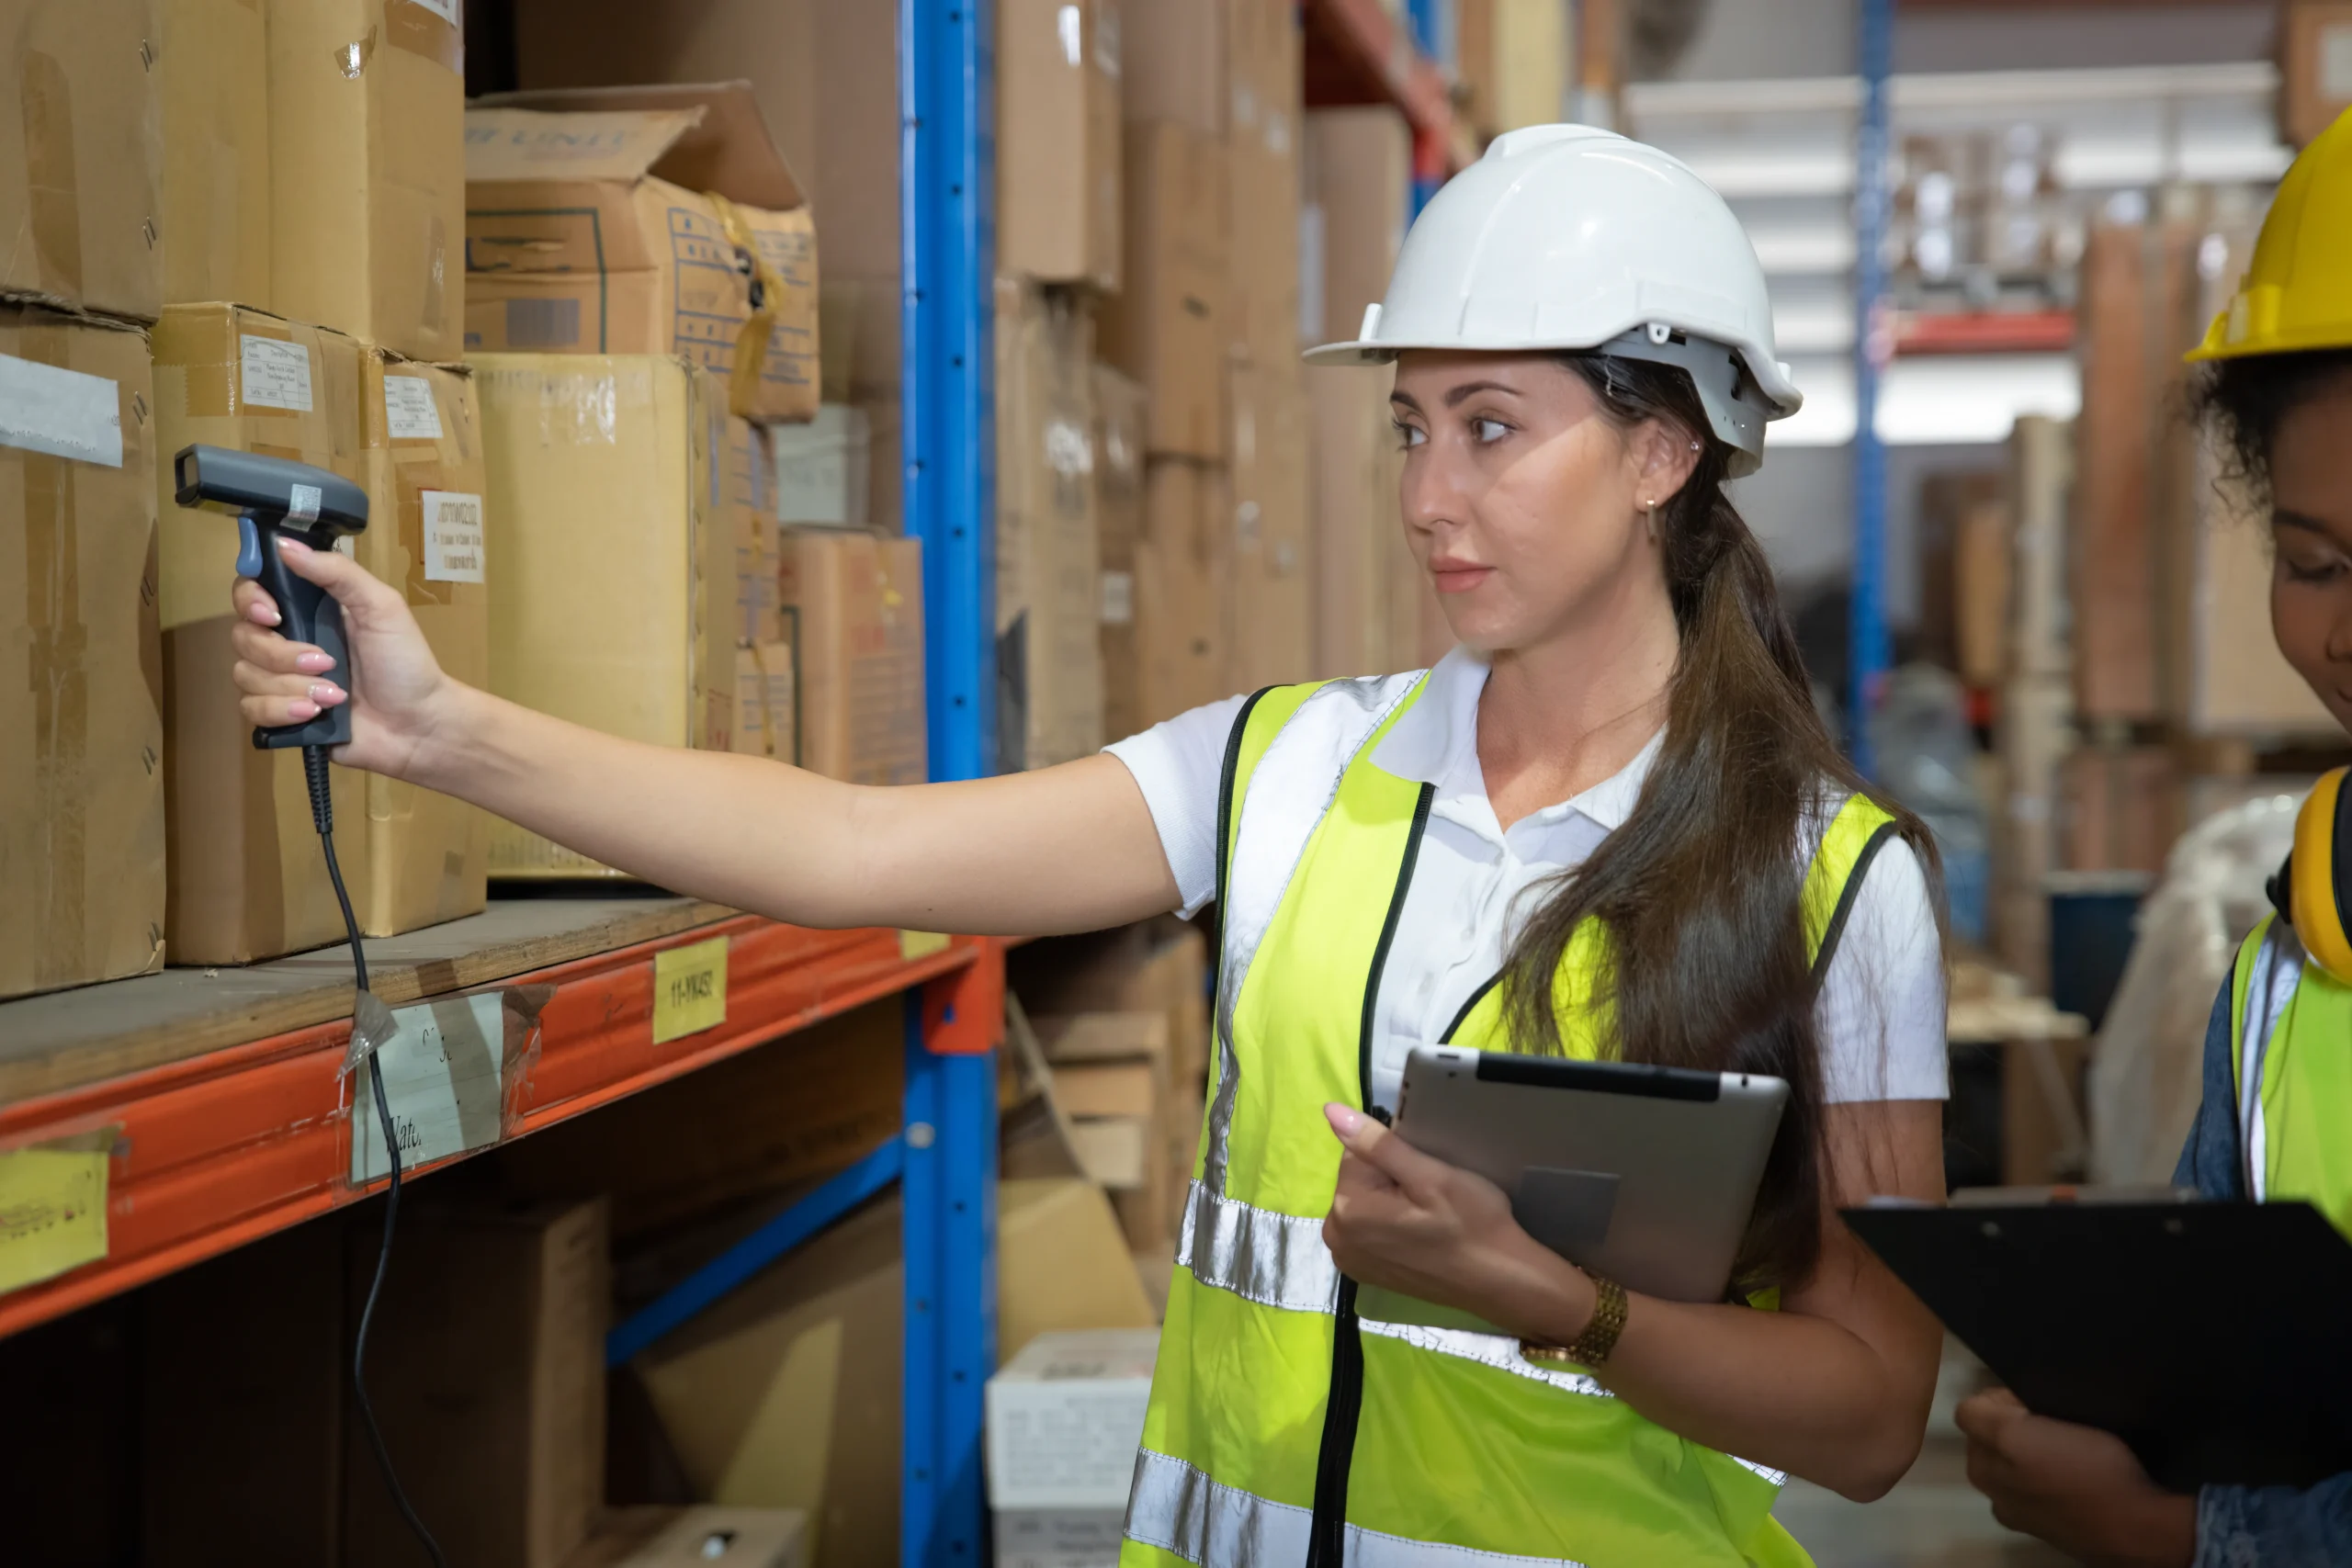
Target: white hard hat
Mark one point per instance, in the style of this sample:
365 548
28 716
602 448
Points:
1567 237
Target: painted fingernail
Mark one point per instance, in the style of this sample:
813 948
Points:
298 710
1343 1120
288 545
313 663
266 613
325 694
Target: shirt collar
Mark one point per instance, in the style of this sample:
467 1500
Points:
1435 742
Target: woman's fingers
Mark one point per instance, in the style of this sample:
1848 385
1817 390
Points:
1383 1150
253 602
266 650
258 682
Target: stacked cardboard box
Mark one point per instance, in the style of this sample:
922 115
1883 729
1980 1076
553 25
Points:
786 1395
1048 571
82 857
852 603
614 602
1374 610
2034 711
2314 67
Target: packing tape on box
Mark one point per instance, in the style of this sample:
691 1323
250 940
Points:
59 689
767 303
429 30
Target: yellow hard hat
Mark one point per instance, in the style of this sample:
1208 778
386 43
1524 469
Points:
2297 293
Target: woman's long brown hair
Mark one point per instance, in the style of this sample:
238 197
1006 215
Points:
1705 963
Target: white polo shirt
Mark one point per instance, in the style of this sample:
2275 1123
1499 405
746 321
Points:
1882 1007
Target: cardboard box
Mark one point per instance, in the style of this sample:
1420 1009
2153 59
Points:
792 1111
1048 559
1119 487
1064 1418
689 1538
766 722
626 252
758 618
213 75
1358 175
1271 639
1168 326
486 1369
242 1406
1181 568
2120 808
824 469
614 602
2041 474
1157 967
2314 67
1058 142
1529 76
786 1395
80 156
366 170
246 878
1358 541
81 735
1173 57
1264 44
853 612
428 855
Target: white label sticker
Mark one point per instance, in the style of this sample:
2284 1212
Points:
445 1074
1070 450
450 11
302 504
61 413
276 374
452 535
2335 62
410 412
1070 25
1118 598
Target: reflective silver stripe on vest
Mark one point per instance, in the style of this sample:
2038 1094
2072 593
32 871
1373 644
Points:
1487 1350
1293 786
1276 1260
2269 991
1178 1509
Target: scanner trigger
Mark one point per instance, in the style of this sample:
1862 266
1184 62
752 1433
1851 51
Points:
248 549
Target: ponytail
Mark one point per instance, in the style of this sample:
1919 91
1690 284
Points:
1705 963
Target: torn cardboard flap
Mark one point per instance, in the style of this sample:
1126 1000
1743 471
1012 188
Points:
527 144
724 144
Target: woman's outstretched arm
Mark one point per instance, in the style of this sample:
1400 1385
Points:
1071 848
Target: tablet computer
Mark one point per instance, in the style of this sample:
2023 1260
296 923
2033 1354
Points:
1644 1174
2209 1337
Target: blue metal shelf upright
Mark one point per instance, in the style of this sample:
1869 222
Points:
947 171
1867 648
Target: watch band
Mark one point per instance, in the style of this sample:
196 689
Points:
1599 1339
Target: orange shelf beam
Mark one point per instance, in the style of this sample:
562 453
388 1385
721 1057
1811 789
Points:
216 1150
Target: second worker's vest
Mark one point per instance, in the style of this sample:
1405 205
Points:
2290 1047
1283 1429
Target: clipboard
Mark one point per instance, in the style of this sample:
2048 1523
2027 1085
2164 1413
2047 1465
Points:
2215 1339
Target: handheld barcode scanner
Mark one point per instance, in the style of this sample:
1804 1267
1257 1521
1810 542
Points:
272 496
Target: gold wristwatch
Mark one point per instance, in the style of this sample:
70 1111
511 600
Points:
1592 1346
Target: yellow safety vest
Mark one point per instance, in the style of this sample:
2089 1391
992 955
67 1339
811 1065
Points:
2290 1047
1284 1430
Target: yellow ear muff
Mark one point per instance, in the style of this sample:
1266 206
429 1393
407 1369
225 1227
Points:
2318 873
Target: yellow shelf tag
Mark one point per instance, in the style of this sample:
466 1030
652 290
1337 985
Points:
53 1214
689 989
920 944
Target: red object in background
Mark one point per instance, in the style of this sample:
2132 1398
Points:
1984 331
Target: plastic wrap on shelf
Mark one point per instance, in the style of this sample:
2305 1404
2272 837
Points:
2146 1073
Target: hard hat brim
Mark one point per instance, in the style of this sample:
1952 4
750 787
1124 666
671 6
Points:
1771 377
